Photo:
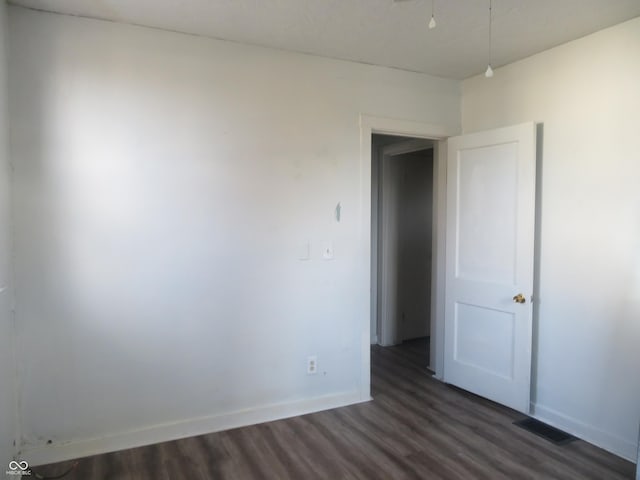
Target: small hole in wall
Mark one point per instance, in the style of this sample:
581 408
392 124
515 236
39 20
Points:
49 442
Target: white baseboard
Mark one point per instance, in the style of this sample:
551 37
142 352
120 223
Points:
44 454
607 441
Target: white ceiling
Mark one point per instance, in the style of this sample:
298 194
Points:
380 32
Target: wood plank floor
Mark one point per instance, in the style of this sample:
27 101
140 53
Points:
415 428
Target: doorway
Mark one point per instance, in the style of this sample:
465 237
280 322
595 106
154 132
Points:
520 141
402 129
402 215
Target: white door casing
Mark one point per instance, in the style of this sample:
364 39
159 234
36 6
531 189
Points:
489 261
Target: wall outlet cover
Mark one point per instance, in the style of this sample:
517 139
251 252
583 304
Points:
312 365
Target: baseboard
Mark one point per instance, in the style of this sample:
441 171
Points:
44 454
607 441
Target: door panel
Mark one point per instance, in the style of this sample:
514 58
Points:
487 216
478 331
489 260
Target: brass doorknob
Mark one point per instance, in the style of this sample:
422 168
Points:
519 298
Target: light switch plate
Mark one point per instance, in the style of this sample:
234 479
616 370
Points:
304 251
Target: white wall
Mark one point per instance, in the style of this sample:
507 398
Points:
165 186
7 365
586 94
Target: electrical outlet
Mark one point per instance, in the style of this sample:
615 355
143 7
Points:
312 365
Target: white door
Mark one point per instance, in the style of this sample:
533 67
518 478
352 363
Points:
489 263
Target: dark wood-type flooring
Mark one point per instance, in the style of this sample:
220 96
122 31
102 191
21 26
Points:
415 428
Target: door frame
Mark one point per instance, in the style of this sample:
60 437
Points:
407 128
381 303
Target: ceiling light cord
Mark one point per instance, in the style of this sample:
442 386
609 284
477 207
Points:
432 22
489 72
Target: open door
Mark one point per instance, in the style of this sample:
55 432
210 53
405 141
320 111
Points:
489 263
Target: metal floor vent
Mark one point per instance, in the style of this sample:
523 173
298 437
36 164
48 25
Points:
545 431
